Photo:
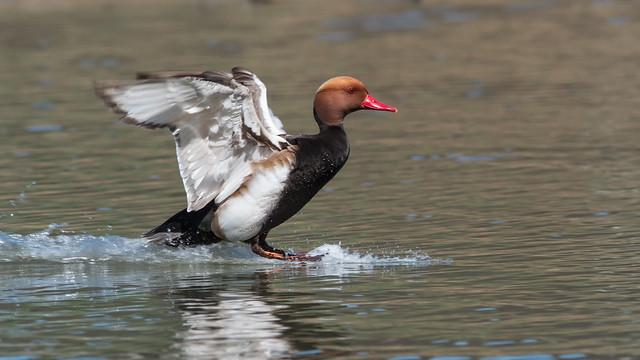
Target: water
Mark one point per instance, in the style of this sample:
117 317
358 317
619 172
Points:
494 217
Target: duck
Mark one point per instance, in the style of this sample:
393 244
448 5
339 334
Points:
242 173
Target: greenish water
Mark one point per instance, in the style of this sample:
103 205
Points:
494 217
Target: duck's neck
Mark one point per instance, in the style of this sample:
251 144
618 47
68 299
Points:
334 139
329 131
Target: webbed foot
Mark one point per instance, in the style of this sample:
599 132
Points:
260 247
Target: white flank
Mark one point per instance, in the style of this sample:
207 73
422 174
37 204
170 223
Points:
242 215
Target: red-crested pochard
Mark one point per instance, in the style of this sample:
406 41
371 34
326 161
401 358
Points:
243 174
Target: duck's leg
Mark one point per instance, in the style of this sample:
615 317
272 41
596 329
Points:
260 247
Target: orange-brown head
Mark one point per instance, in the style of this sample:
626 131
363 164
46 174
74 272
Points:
341 95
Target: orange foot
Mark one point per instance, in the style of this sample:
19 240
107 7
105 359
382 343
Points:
261 248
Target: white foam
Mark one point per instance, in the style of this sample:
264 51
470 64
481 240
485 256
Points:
55 245
336 254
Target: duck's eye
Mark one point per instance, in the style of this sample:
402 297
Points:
351 90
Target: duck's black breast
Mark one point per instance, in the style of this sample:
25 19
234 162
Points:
318 159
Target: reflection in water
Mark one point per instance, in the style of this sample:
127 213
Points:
199 311
230 317
256 313
236 325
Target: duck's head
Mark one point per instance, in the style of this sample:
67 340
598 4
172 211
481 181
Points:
342 95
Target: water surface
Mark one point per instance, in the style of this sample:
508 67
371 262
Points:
494 217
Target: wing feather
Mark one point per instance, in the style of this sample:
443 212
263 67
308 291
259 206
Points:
221 124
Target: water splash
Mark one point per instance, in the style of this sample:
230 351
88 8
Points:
336 254
54 245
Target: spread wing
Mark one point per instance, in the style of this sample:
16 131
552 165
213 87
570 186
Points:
221 124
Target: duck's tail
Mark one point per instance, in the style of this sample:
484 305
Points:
185 229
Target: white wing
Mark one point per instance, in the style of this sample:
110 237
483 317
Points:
221 124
